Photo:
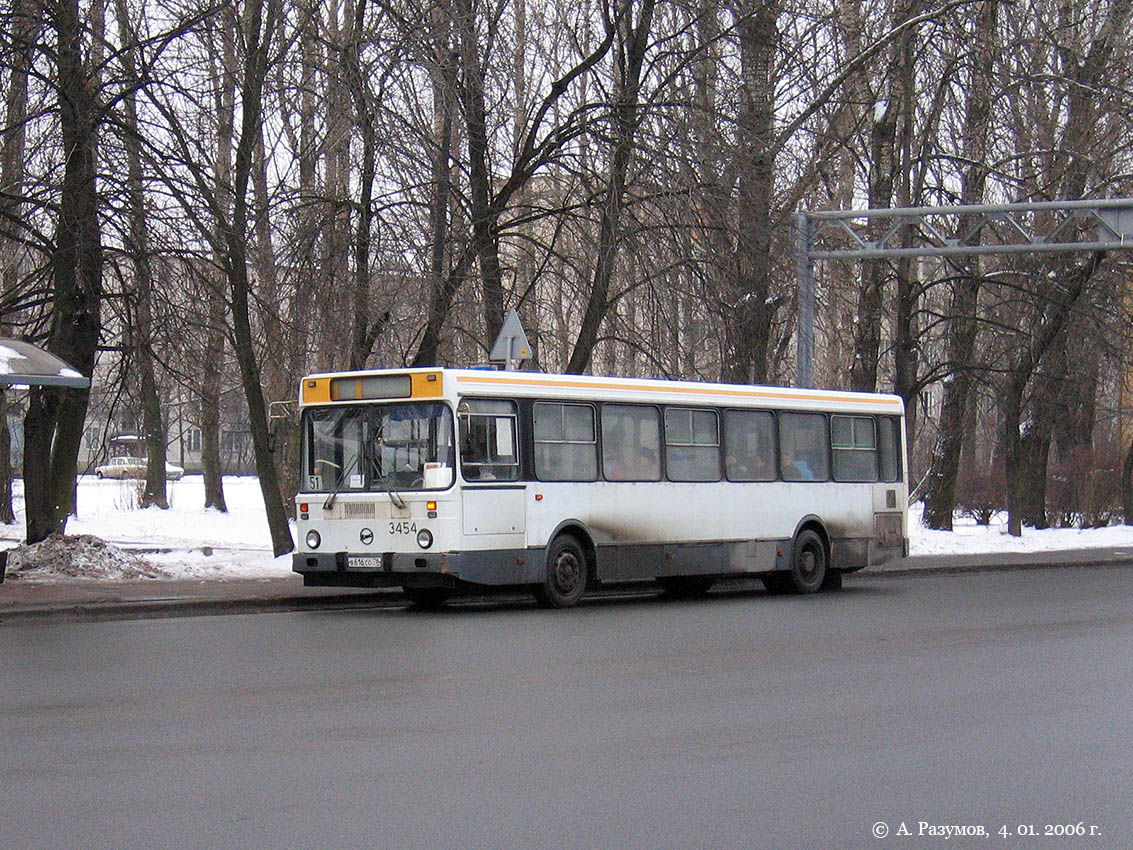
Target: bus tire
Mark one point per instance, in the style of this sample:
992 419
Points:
426 597
809 562
565 578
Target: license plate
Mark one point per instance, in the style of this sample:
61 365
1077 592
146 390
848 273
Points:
364 562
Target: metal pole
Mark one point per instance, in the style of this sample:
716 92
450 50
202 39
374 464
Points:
805 266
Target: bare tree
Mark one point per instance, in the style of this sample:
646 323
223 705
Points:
54 423
141 329
547 133
1028 388
258 27
634 24
889 166
940 495
215 330
25 23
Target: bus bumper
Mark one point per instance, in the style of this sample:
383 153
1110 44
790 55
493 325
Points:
418 569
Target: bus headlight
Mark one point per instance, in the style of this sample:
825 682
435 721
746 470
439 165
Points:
424 538
313 539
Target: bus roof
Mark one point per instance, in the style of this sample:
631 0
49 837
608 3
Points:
452 384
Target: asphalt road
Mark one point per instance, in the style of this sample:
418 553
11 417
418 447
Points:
740 721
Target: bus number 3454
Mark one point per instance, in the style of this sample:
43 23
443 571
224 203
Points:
403 528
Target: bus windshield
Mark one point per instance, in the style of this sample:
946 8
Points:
378 447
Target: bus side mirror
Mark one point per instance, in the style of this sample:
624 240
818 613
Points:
277 410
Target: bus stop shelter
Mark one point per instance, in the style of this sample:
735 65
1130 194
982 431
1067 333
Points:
25 365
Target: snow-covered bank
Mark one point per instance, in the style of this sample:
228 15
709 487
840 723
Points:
195 543
967 538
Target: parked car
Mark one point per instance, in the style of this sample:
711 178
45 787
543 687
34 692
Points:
133 467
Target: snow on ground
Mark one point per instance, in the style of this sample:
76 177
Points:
185 541
967 538
78 556
188 542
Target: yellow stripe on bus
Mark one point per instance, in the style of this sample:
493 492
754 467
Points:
738 393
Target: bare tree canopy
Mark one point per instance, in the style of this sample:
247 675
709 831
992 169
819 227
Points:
199 202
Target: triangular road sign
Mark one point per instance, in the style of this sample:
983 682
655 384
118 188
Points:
511 344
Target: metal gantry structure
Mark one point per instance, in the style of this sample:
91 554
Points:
952 231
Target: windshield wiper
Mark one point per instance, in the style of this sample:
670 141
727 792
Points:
386 480
329 503
377 466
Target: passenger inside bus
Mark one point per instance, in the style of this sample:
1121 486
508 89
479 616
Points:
645 462
802 468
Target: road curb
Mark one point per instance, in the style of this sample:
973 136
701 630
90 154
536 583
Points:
960 569
1005 562
147 609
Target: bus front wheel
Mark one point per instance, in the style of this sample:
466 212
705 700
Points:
809 563
565 580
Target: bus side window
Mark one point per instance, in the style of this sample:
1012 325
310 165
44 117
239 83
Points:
631 442
803 446
488 440
889 448
566 448
692 444
749 445
854 445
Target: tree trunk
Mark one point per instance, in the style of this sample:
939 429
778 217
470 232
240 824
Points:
633 40
7 515
212 467
940 497
1030 474
53 426
334 266
442 284
137 247
484 217
258 41
748 330
1026 444
25 24
1127 485
887 163
367 324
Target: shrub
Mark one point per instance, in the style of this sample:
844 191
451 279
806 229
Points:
1084 488
981 493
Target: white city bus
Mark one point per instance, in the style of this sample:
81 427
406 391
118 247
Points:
438 479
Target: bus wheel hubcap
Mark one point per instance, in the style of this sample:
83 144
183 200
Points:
808 564
566 571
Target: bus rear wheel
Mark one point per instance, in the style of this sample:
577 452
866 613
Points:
809 563
565 580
